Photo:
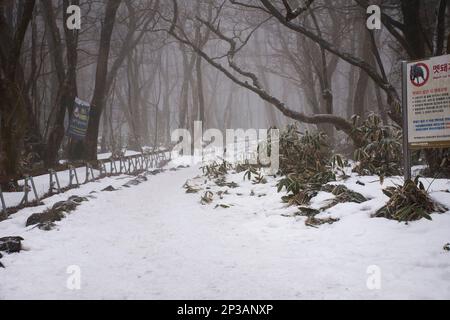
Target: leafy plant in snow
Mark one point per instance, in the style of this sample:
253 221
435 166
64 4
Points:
308 156
249 172
312 221
222 205
409 202
342 195
215 170
246 166
222 182
303 154
298 193
382 152
307 162
207 198
259 179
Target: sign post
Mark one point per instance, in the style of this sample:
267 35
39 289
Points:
406 150
426 106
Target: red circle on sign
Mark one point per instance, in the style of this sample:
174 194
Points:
418 70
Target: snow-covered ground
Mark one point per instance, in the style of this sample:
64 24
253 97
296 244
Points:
154 241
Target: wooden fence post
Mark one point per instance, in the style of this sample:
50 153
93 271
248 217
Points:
3 202
52 183
73 174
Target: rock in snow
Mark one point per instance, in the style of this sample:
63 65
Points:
10 244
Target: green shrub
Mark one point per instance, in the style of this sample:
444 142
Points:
307 153
216 170
409 202
343 195
307 163
381 153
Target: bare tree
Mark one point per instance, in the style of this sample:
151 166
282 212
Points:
250 80
16 116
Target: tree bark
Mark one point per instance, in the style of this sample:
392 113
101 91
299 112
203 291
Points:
14 110
67 87
100 89
360 98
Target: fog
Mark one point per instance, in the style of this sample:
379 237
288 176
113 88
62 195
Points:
149 67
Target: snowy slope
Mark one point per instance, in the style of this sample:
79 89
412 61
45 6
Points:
154 241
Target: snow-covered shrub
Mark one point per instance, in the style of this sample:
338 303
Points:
258 177
207 198
45 220
343 195
409 202
438 161
298 192
312 221
304 154
307 156
382 152
222 182
215 169
307 163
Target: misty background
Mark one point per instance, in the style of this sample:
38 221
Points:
148 67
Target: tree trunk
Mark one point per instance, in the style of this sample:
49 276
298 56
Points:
359 100
66 86
201 97
271 120
100 90
16 116
103 142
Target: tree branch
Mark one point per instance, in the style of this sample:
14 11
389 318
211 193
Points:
292 14
255 86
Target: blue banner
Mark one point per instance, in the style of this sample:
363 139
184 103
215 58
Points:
80 120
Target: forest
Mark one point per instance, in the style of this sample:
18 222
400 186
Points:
329 77
148 67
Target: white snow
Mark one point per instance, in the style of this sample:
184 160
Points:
107 155
154 241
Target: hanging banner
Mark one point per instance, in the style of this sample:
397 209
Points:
428 102
80 120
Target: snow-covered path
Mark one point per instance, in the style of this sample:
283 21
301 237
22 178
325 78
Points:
154 241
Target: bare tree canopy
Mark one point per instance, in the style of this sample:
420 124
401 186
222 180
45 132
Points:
148 67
